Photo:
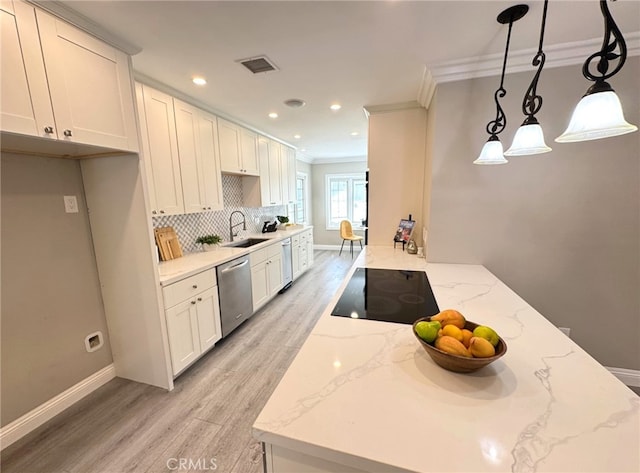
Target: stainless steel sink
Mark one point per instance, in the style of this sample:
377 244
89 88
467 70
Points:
247 242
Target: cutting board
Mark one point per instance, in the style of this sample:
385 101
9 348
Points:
168 243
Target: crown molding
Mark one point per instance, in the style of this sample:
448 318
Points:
304 158
68 14
391 107
557 55
346 159
427 88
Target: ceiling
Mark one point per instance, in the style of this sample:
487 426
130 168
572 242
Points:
357 54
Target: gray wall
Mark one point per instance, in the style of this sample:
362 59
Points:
305 167
50 289
561 229
322 236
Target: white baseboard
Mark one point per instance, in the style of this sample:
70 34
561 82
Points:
20 427
327 247
628 377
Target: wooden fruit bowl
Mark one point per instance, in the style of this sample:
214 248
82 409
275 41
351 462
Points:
459 364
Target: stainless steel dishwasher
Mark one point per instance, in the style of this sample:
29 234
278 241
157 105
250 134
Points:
234 291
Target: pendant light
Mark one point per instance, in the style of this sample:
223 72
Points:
599 112
529 139
492 151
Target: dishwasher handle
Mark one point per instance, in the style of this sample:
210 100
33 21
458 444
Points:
286 242
235 266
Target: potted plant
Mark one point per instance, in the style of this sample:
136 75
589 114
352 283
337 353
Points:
209 242
283 221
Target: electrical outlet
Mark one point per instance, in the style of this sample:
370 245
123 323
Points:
566 331
70 204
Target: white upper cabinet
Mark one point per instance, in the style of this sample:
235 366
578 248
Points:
62 83
238 149
288 174
249 152
160 151
212 175
180 150
275 174
25 104
198 156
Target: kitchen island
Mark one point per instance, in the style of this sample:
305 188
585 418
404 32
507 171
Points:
363 395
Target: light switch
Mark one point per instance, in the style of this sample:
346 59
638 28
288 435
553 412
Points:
70 204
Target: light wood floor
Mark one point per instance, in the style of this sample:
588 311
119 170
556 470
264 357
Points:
130 427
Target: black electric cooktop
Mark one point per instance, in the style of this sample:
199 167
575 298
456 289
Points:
388 295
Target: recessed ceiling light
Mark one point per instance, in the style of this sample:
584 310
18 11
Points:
297 137
295 103
199 80
273 115
354 133
335 106
303 150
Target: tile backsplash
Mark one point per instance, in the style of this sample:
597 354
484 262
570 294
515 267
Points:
191 226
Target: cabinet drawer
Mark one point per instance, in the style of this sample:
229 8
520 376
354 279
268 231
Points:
188 287
275 249
295 240
259 256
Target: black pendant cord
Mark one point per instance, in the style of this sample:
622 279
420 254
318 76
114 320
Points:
495 127
608 51
532 101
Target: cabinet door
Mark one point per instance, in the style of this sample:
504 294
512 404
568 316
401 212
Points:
212 175
229 146
182 330
284 174
259 285
263 154
249 152
275 274
25 106
291 178
309 248
275 189
208 315
189 156
295 260
86 75
160 151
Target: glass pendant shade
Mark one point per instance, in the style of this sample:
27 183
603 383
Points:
492 153
597 115
529 139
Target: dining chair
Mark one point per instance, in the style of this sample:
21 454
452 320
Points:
346 233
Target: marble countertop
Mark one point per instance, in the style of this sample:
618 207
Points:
192 263
365 394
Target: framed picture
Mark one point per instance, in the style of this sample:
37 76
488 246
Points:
404 231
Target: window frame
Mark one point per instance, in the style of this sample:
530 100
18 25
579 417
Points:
305 190
351 178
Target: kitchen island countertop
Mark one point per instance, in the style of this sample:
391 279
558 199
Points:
365 395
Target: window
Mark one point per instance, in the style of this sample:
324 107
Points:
301 213
346 199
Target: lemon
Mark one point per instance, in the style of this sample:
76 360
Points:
487 333
453 331
428 331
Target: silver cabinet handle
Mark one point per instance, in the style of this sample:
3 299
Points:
195 286
48 129
162 211
67 133
154 212
199 299
204 208
193 302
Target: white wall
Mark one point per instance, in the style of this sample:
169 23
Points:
561 229
321 235
397 157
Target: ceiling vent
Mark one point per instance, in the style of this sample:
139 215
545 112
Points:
258 64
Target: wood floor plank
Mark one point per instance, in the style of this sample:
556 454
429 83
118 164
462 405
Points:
130 427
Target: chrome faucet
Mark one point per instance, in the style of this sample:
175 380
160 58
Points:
232 226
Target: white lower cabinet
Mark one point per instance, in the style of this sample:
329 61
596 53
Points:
266 274
193 318
302 252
